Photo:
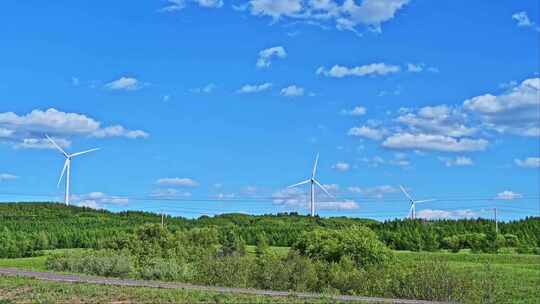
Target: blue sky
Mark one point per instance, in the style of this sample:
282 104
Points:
209 106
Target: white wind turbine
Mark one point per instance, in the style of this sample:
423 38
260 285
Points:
412 211
312 181
67 166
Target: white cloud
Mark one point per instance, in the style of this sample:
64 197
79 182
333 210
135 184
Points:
420 67
444 214
292 91
373 69
458 161
515 111
41 143
508 195
276 8
331 187
176 181
266 56
176 5
433 142
415 68
368 132
357 111
375 192
254 88
124 83
204 90
346 16
169 193
27 131
341 166
7 177
99 200
117 130
440 119
522 20
529 162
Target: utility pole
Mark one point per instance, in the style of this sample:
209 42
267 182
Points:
496 223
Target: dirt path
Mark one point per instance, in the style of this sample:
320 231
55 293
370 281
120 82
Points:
157 284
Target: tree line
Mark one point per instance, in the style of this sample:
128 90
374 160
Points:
27 228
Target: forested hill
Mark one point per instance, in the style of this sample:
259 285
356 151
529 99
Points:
29 227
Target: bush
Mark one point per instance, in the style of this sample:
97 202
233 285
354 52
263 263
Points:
167 270
359 243
103 263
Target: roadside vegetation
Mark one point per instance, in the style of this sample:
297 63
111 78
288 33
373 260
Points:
283 252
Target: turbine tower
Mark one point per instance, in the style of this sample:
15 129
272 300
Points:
412 211
312 181
67 166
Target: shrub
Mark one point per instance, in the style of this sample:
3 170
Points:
359 243
103 263
167 270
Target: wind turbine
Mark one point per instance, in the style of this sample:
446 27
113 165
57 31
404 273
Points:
67 166
312 181
412 211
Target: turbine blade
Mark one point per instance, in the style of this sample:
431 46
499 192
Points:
322 187
315 166
63 172
84 152
405 192
410 211
57 146
300 183
425 201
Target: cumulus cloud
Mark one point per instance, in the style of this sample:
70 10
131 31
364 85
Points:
373 69
368 132
176 5
441 119
347 15
124 83
267 55
508 195
529 162
458 161
176 181
204 90
357 111
99 200
522 20
432 214
27 130
292 91
341 166
7 177
433 142
254 88
373 192
515 111
169 193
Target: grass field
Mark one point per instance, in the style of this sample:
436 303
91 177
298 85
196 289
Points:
513 277
24 290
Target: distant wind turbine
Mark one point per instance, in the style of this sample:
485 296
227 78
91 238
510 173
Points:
67 166
312 181
412 211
